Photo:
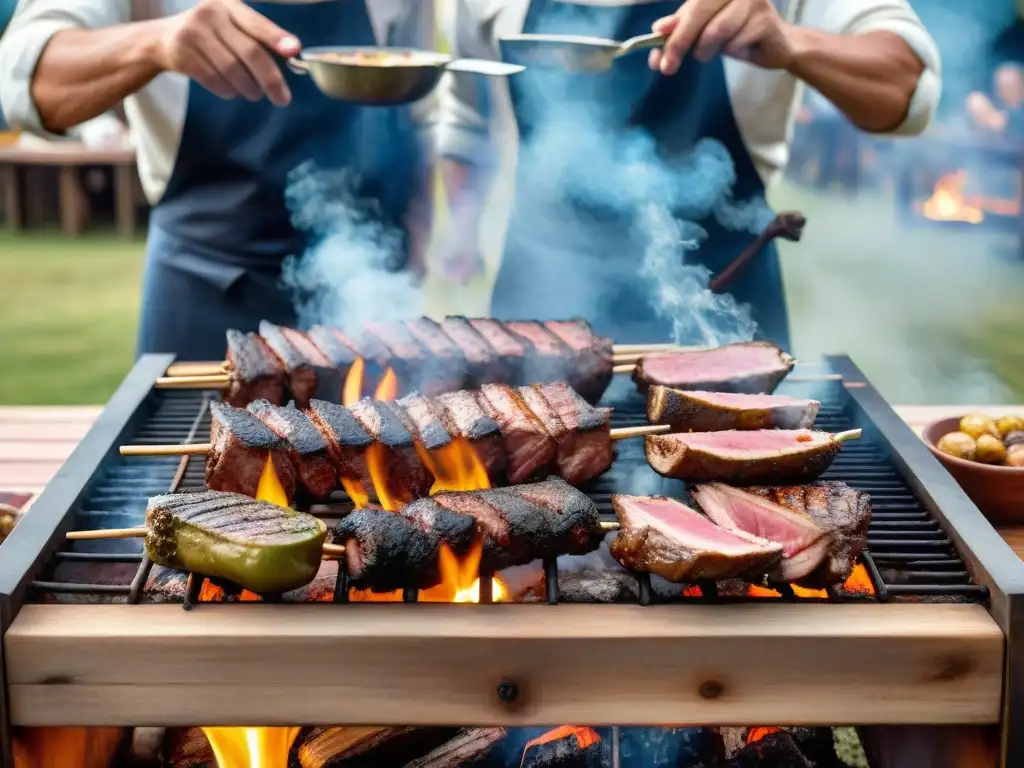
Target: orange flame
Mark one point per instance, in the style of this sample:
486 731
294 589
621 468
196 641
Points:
377 456
756 734
859 581
455 467
354 489
692 590
584 738
460 581
211 593
948 202
65 747
353 388
269 487
387 389
251 747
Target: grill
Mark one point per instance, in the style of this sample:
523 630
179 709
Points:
939 574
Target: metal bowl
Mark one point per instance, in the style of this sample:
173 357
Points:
408 75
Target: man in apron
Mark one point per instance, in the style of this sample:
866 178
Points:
581 250
220 126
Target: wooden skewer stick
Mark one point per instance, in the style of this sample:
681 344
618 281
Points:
189 369
217 381
850 434
200 449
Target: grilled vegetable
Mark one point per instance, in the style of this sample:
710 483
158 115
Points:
1009 424
990 450
958 444
258 546
977 424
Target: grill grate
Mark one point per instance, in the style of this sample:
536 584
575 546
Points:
908 555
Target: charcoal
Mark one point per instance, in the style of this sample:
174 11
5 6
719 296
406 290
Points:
567 747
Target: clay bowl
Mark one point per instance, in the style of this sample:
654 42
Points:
997 491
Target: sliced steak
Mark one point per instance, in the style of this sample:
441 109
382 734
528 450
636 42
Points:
239 446
445 527
334 346
751 367
426 425
485 363
347 442
837 507
548 358
664 536
463 416
256 372
585 450
528 445
592 364
717 411
451 364
301 371
384 551
742 458
575 521
405 474
511 350
805 544
307 448
329 377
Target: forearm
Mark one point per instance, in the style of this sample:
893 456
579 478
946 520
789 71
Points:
871 77
86 72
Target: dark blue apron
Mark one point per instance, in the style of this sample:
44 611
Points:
574 257
222 229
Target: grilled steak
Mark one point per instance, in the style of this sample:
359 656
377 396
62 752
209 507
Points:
511 350
484 362
451 361
423 420
742 458
256 545
587 449
239 446
575 522
836 507
307 448
384 551
717 411
405 474
346 440
256 371
805 544
548 357
463 416
301 374
664 536
329 377
528 446
333 346
592 368
751 367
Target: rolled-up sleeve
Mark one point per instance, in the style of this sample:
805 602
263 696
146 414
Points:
34 23
858 17
463 128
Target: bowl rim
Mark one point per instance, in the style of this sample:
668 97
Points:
955 460
420 58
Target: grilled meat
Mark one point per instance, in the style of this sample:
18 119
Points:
574 520
258 546
329 377
302 381
805 544
528 445
416 367
752 367
255 371
422 419
581 432
239 446
548 357
485 362
451 361
664 536
333 345
592 366
717 411
511 350
837 508
307 447
406 476
463 416
742 458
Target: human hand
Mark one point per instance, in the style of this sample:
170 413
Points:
751 30
226 46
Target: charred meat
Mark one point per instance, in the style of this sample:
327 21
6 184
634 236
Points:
256 373
406 476
301 371
347 442
307 447
592 365
752 367
333 345
239 446
548 357
581 432
695 411
256 545
528 445
484 362
451 362
664 536
742 458
464 417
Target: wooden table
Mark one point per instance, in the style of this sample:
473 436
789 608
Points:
69 157
34 442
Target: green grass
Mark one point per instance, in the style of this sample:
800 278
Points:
69 316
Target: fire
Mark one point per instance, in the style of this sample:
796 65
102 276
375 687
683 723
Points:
64 747
251 747
692 591
353 388
211 593
584 736
455 467
460 581
387 389
377 456
859 581
269 487
756 734
948 202
354 489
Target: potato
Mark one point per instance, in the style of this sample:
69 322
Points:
978 424
989 450
1009 424
958 444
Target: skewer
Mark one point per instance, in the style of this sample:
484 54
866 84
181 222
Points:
200 449
817 377
190 369
216 381
850 434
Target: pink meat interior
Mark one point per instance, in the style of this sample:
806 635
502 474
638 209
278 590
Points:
714 364
753 443
746 512
307 348
730 400
678 521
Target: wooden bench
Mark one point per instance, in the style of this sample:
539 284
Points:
68 157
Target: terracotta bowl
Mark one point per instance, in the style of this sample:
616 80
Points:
997 491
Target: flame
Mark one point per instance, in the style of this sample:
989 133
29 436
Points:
269 487
859 581
584 736
948 202
455 467
251 747
211 593
354 489
756 734
755 591
376 462
692 590
388 387
65 747
353 388
460 581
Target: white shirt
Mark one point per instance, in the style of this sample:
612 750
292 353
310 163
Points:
764 102
156 114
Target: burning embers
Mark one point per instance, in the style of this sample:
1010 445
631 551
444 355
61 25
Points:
953 201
